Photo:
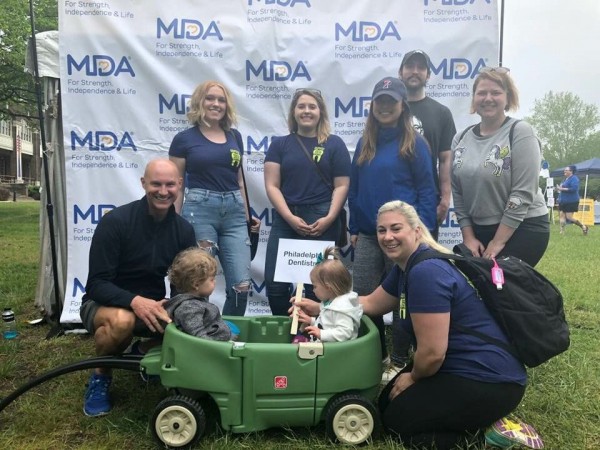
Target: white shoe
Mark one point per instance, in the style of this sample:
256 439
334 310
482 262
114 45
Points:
390 372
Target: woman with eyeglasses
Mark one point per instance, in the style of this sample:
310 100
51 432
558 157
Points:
209 158
391 162
307 174
495 176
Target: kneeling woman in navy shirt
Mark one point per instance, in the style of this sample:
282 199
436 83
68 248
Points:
457 384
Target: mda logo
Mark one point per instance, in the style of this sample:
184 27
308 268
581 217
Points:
189 29
367 31
453 2
100 66
458 68
93 213
357 107
102 141
178 102
269 70
290 3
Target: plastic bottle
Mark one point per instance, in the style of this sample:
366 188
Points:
9 330
497 275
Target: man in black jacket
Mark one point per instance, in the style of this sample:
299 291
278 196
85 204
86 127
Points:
131 251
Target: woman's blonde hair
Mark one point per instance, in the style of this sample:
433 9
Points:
369 139
414 222
196 113
323 127
333 273
190 268
505 81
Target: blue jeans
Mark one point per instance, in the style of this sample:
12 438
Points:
219 218
279 293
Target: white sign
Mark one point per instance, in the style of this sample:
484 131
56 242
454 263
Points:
296 258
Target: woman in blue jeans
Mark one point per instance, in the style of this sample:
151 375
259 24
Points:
209 158
307 203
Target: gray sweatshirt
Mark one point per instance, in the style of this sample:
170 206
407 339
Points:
493 183
198 317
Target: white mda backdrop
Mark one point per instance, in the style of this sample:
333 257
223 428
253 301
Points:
128 68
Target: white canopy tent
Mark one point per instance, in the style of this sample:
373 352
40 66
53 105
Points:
49 72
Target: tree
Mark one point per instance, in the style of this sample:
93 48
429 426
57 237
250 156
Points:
17 88
563 122
589 148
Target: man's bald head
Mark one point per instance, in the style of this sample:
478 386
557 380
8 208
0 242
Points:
162 184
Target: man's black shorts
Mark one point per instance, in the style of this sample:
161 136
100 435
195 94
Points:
88 311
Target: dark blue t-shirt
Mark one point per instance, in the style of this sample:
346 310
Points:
436 286
301 184
208 165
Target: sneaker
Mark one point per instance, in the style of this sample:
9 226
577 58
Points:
509 433
390 372
97 401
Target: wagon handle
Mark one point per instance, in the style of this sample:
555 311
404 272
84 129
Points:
299 289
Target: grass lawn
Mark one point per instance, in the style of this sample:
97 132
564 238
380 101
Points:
562 400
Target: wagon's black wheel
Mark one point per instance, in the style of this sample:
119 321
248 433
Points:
351 419
178 422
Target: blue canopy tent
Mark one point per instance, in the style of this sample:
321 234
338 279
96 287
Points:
590 167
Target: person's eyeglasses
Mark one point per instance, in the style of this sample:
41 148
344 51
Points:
301 91
488 69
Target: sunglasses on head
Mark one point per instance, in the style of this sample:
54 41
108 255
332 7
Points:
301 91
487 69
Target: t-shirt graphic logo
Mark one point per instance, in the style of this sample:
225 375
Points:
318 153
459 153
235 157
418 125
499 158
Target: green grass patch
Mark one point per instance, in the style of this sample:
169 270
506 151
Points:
562 399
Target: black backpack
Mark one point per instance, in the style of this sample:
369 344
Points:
528 308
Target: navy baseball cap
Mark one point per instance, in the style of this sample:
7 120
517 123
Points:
391 86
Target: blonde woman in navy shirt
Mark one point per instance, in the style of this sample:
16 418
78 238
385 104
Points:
209 158
458 388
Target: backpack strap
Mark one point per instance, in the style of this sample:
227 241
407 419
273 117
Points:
465 131
511 132
434 254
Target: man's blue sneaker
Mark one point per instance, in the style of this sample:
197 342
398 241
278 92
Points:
97 401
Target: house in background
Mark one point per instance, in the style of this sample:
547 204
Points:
20 158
